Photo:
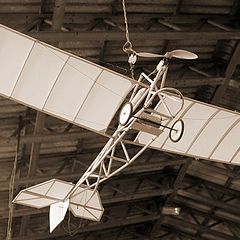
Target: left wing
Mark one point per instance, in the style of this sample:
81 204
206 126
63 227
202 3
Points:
58 83
210 132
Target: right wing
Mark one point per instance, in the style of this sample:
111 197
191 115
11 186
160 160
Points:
210 132
58 83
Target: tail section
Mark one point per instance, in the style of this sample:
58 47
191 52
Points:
60 195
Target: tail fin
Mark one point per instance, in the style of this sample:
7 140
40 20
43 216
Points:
57 213
83 203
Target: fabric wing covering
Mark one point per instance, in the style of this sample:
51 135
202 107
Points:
210 133
58 83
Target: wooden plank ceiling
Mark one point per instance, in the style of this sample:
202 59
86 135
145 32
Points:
207 193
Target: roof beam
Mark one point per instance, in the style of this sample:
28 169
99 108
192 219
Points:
94 227
188 227
31 25
179 225
234 61
208 201
135 36
202 210
235 8
141 194
178 181
52 137
212 210
33 163
211 185
178 7
58 14
131 170
35 150
195 82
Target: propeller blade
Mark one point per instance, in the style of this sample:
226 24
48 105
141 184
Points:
181 54
149 55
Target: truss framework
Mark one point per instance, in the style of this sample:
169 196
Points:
102 167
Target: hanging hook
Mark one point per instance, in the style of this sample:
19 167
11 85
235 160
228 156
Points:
127 47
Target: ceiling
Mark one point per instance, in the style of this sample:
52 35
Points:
136 200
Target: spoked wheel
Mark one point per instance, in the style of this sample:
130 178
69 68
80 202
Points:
125 113
176 131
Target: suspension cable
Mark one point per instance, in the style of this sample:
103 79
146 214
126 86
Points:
127 47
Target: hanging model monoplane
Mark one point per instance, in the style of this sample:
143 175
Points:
73 89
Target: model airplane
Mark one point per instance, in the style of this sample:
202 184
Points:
88 95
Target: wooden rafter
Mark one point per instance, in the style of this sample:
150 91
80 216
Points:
155 27
234 61
135 36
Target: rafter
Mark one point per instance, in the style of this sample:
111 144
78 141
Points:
178 181
187 227
207 218
58 14
135 36
133 199
137 169
234 61
33 162
49 137
94 227
116 200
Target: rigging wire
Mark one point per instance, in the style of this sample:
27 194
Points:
128 47
11 184
72 231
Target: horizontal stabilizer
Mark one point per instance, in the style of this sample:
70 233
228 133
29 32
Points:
44 194
86 203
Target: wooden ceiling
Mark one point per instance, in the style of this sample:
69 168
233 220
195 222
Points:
208 193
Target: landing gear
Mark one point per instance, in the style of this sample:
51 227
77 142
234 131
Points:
125 113
176 131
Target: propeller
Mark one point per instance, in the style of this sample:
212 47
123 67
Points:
183 54
149 55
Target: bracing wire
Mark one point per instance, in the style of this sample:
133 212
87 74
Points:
11 184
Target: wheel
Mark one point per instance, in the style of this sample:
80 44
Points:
176 131
125 113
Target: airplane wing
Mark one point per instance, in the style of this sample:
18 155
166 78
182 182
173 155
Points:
210 132
75 90
58 83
